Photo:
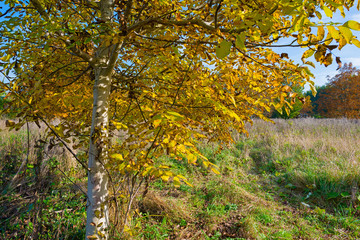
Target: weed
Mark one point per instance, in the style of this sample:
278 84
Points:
291 180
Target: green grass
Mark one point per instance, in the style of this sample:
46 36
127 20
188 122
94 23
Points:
42 203
298 179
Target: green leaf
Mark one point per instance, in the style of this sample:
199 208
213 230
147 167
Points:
224 49
354 25
327 11
346 33
240 41
345 194
334 4
332 195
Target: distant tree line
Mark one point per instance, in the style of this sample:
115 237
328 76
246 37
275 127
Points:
2 101
339 98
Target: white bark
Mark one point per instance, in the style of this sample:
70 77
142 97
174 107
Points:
97 224
97 210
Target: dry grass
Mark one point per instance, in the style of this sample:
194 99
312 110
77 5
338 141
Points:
296 179
24 143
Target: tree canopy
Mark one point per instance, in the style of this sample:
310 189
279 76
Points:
340 97
163 74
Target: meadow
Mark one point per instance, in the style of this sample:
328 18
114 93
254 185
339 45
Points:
295 179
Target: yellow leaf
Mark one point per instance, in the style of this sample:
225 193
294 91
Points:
214 170
310 63
318 14
172 144
287 88
6 58
313 89
191 158
117 156
174 116
287 110
320 33
356 42
327 11
342 42
9 123
176 182
341 8
92 237
233 100
328 59
157 122
354 25
119 125
334 33
308 53
187 183
346 32
165 178
328 39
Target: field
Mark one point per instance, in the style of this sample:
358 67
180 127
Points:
296 179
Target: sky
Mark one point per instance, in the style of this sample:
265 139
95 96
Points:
349 53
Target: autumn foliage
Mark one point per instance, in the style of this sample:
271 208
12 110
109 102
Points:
341 97
167 73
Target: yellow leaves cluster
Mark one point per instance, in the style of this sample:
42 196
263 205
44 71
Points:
181 75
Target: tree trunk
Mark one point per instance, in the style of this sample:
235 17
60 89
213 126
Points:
97 223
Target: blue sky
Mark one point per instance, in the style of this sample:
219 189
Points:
349 53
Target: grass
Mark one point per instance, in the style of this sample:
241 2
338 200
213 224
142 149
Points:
297 179
42 202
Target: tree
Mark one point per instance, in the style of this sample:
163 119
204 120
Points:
312 109
341 97
164 73
295 103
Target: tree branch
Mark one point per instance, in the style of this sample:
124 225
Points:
216 13
186 22
40 9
